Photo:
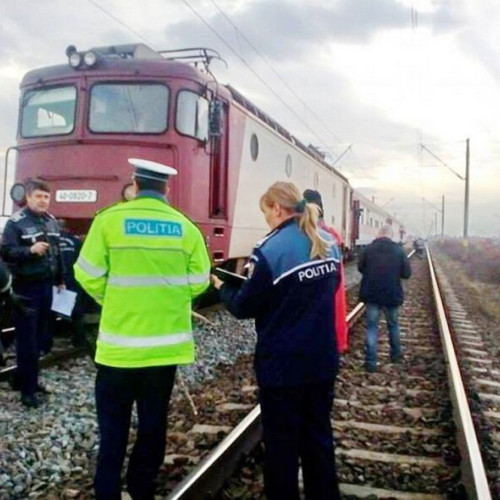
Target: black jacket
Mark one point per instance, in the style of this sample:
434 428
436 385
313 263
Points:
24 229
383 263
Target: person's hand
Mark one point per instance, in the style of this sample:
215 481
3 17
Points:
40 247
216 281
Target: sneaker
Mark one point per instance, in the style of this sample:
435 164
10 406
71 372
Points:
397 359
29 401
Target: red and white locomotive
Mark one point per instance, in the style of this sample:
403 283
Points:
80 122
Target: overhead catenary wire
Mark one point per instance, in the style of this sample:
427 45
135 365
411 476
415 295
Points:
255 73
276 73
125 25
241 58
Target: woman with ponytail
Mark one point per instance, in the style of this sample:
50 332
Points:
292 275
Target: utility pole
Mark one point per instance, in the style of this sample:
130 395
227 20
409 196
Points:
466 207
466 179
442 216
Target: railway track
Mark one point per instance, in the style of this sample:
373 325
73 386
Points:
403 432
394 429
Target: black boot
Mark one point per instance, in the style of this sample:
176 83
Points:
29 401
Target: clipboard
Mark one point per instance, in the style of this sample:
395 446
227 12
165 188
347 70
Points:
228 276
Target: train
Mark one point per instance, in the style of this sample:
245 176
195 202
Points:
79 123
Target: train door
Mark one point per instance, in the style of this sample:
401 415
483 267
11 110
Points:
219 161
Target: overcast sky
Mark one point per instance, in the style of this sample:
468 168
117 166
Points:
381 76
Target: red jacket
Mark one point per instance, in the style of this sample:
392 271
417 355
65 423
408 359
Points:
340 304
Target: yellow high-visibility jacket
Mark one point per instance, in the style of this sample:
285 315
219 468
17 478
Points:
144 262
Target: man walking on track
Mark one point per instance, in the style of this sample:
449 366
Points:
383 264
144 262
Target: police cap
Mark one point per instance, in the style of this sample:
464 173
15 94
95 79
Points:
151 169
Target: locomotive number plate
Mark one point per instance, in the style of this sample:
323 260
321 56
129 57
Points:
76 195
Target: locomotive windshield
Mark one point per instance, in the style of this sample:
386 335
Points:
128 108
49 111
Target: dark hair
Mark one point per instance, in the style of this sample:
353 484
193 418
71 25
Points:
313 196
33 184
150 184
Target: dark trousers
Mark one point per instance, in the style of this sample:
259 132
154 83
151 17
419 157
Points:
116 390
33 336
296 423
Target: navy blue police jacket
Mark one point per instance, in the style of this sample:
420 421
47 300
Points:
383 263
291 298
22 230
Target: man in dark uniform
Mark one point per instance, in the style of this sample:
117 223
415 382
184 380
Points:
70 249
30 246
5 289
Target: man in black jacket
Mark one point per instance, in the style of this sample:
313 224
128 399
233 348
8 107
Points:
30 246
383 263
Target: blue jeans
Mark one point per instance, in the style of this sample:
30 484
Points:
371 341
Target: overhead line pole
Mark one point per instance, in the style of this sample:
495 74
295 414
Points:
442 216
466 204
467 184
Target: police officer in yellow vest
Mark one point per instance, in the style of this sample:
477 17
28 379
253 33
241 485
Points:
144 262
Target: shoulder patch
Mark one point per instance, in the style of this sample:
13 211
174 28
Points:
263 240
17 216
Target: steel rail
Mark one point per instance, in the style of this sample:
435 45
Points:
47 360
209 476
472 466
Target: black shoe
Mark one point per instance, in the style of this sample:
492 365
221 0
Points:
396 359
2 361
42 389
29 401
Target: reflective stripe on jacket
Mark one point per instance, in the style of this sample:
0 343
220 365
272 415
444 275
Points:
144 262
290 296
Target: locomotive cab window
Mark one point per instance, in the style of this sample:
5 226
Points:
128 108
192 115
48 111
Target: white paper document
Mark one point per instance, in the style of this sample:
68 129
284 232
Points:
63 301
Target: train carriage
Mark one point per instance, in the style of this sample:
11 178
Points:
80 122
369 218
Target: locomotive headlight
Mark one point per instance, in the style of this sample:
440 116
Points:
74 59
90 58
128 192
18 193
